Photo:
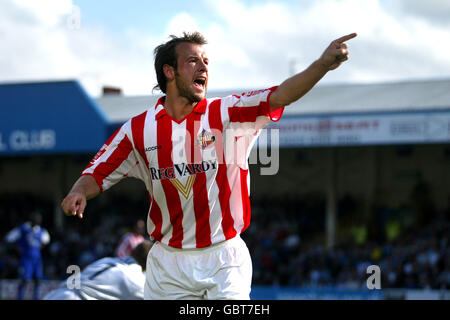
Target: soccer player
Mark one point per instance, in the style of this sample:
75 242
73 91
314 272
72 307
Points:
131 239
30 237
191 153
109 278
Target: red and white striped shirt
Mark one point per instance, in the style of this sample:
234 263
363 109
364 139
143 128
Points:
195 170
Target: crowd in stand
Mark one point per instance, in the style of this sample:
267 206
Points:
79 242
280 240
415 257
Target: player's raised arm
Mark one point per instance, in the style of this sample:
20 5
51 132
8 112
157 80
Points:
298 85
74 203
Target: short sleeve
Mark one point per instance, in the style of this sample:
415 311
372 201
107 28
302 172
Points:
248 114
253 108
113 161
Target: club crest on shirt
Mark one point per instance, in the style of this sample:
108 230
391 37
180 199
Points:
205 139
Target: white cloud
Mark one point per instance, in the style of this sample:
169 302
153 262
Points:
434 11
45 12
38 43
181 22
250 45
392 44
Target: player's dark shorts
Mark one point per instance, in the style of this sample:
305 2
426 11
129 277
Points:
30 268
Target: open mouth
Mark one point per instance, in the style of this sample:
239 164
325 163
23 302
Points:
200 82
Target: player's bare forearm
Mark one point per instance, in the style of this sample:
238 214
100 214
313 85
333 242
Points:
298 85
87 185
85 188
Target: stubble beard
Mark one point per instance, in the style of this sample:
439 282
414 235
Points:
185 91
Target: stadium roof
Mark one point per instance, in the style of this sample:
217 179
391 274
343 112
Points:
322 99
59 117
49 117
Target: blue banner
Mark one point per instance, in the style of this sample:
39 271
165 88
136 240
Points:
49 117
296 293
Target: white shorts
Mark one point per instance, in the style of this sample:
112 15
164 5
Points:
221 271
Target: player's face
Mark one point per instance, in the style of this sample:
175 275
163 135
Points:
191 76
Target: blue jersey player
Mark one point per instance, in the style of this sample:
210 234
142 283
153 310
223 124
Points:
30 238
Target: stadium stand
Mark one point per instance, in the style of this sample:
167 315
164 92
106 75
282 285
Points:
392 203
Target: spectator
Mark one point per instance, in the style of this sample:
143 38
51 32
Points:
130 240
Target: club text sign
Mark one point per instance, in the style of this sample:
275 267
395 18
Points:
28 140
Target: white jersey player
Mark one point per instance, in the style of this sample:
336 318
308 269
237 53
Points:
192 154
110 278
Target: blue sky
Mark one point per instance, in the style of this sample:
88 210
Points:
145 14
118 16
151 16
252 44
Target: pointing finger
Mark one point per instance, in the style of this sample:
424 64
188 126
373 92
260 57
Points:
77 211
81 208
345 38
79 214
68 207
73 208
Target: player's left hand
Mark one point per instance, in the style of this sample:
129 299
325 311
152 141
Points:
336 53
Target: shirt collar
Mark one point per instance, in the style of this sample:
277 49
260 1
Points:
161 111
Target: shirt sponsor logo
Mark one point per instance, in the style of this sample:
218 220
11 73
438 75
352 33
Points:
185 189
183 170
